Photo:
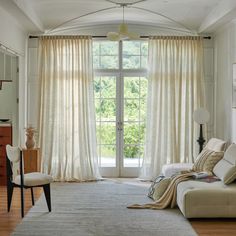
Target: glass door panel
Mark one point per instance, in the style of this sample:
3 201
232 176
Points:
135 90
105 104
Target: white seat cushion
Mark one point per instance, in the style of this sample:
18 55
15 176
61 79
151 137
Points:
199 199
171 169
34 179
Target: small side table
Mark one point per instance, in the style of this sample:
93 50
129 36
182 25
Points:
32 160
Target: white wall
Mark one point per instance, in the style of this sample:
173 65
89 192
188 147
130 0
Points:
208 58
14 37
225 56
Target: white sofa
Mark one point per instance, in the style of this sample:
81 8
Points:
214 144
197 199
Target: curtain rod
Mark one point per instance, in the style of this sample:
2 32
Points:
142 37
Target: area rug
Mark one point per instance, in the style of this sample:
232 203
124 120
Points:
99 209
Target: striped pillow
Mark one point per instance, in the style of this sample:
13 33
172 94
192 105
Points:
207 160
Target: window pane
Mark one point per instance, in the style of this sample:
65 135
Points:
131 87
143 87
143 109
131 109
131 133
108 154
144 61
96 48
97 87
96 62
142 132
98 132
131 156
109 48
98 109
109 62
144 48
131 48
108 87
107 110
107 133
131 151
131 62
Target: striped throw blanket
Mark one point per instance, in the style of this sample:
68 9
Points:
169 197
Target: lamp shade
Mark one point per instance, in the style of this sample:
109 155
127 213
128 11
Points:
201 115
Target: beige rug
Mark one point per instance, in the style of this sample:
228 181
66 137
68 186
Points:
99 208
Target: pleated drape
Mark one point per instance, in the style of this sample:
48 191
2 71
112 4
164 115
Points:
176 89
67 135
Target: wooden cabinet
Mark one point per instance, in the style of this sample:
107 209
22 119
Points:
5 138
32 160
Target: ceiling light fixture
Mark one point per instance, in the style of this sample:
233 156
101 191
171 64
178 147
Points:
123 32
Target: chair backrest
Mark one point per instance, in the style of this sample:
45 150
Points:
13 155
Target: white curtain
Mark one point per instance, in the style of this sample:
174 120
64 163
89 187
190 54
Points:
67 135
176 89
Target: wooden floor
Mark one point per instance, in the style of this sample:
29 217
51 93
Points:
8 221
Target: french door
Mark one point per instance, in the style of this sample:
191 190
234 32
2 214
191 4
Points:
120 89
120 122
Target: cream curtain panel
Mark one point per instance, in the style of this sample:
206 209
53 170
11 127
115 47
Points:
67 135
176 89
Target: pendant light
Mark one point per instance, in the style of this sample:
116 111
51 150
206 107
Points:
123 32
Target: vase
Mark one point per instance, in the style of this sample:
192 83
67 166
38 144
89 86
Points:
30 142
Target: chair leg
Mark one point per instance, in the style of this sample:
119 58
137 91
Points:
22 201
32 196
10 189
47 194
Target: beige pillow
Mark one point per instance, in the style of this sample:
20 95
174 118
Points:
160 188
207 160
225 169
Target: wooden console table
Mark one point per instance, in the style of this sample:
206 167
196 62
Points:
5 138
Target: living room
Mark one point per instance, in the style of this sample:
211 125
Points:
121 36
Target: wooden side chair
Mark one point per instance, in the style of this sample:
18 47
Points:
17 178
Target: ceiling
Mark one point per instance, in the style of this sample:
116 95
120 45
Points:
195 16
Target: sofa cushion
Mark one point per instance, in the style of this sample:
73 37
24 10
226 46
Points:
216 144
34 179
200 199
225 169
206 160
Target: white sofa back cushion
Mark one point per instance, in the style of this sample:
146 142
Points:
225 169
216 145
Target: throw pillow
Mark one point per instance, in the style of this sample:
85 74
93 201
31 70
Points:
158 187
152 187
225 169
207 160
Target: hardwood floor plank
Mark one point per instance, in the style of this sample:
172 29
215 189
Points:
9 220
